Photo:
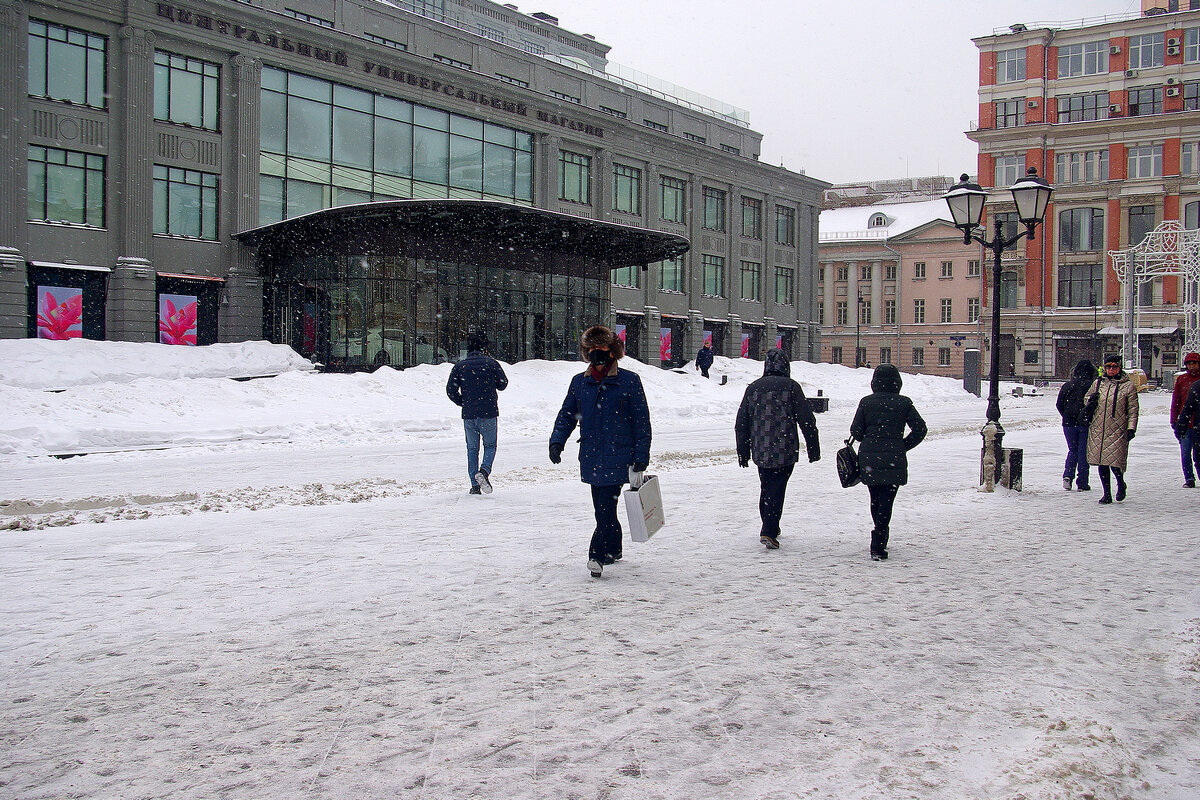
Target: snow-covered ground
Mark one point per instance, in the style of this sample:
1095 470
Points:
279 588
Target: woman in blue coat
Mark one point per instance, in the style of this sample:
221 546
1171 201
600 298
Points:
609 406
879 424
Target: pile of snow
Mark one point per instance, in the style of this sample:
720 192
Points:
120 396
46 364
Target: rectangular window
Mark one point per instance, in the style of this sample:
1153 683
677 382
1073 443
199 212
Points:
821 312
672 192
512 80
889 272
1010 65
309 18
627 276
657 126
919 311
1189 160
885 355
1090 58
785 226
835 355
972 309
454 62
947 310
889 312
947 269
1146 51
918 357
67 64
973 268
185 203
783 285
1010 113
1081 229
1008 289
843 273
1008 226
574 177
751 218
392 43
1087 167
670 274
1141 222
841 313
1191 96
1008 169
1145 101
1083 107
864 311
1079 284
728 148
919 269
186 91
65 186
1191 45
865 272
1145 161
714 209
751 280
694 137
943 356
627 189
616 112
714 275
488 32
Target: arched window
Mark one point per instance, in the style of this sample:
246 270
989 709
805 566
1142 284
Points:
878 221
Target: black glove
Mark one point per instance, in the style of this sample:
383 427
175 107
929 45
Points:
556 452
814 455
743 462
639 466
1129 435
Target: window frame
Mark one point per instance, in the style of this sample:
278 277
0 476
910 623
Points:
574 173
627 189
88 173
713 275
919 311
1011 65
675 190
165 195
751 218
39 54
170 67
785 223
714 208
750 272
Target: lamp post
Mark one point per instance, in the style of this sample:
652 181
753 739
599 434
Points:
966 201
1095 329
858 333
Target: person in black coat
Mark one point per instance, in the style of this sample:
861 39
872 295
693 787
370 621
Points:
1075 424
473 384
773 407
879 424
704 360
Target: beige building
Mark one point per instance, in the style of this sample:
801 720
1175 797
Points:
897 283
1106 111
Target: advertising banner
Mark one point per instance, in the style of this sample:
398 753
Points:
59 312
664 344
620 332
177 319
708 338
745 345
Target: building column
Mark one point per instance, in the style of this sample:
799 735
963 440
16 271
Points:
770 333
733 336
131 314
602 196
649 354
241 308
14 99
695 336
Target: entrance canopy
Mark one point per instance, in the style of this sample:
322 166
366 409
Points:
1168 250
520 236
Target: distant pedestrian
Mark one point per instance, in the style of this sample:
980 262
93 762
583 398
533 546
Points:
1112 404
772 409
1189 454
704 360
1187 422
879 424
473 384
609 406
1075 424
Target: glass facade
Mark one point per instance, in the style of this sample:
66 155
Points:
324 144
186 91
185 203
67 64
66 186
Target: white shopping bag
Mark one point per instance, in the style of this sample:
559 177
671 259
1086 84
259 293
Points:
644 507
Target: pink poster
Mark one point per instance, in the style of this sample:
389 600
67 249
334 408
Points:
664 344
745 345
708 338
620 331
177 319
779 342
59 312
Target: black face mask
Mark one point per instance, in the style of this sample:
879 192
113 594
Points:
598 358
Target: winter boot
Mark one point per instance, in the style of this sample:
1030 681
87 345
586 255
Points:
596 568
770 542
1106 499
1067 483
485 485
475 490
1120 490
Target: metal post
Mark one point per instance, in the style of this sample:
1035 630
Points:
993 431
858 332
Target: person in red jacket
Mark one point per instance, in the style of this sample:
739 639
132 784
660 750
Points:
1189 454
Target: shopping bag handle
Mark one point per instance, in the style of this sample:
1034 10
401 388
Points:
636 479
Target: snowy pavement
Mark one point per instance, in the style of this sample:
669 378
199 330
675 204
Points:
340 620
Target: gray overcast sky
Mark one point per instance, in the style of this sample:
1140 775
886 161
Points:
845 90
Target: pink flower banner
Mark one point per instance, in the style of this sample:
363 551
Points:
620 331
745 345
59 312
664 344
177 319
708 338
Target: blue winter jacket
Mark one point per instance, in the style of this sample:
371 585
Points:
473 384
614 425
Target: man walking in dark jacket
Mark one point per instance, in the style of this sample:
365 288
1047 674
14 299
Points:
473 384
704 359
772 409
1075 424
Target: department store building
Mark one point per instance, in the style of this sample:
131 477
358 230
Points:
371 182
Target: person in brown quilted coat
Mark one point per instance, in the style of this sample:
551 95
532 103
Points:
1112 405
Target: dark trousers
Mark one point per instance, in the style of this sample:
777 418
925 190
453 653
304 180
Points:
1189 450
606 540
1104 479
704 371
882 498
1076 467
773 487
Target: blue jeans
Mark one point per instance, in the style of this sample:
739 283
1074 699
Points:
1191 453
1076 466
477 429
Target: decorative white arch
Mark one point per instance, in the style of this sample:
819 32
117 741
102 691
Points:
1168 250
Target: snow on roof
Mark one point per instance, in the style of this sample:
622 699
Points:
850 224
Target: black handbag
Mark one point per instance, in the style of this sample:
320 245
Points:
847 465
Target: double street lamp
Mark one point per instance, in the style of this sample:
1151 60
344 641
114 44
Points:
966 200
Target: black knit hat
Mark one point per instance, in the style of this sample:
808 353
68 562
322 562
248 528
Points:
1113 359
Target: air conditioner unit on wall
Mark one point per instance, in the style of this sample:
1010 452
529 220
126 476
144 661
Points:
1173 91
1172 51
1115 49
1114 109
1031 103
1172 81
1131 73
1173 42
